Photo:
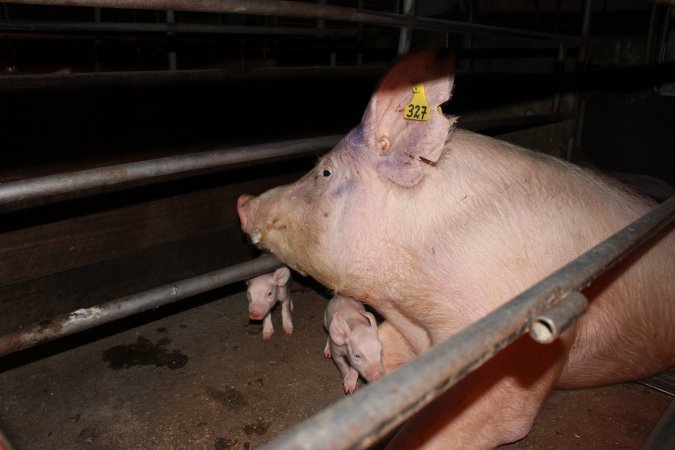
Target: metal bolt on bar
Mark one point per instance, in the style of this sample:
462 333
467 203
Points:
308 11
371 413
86 318
546 327
43 190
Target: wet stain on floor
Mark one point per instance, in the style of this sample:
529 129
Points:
144 353
259 428
231 398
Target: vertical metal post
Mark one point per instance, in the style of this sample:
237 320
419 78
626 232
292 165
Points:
649 51
359 34
663 44
173 62
575 135
405 37
97 42
559 71
467 40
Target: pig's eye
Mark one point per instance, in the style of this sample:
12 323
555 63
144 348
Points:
327 173
269 294
356 356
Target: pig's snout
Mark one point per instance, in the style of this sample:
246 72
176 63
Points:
257 314
374 374
242 202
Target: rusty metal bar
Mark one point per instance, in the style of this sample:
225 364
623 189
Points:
165 27
86 318
308 11
38 191
371 413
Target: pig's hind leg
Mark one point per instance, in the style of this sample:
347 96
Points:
494 405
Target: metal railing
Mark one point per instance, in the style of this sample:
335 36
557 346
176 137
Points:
39 191
311 11
86 318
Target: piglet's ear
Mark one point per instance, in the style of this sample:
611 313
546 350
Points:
339 330
281 276
403 125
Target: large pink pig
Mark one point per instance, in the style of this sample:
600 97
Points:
435 227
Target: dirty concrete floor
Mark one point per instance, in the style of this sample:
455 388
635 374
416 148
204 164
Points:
203 378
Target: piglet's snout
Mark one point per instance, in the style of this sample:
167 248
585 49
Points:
257 314
243 210
374 374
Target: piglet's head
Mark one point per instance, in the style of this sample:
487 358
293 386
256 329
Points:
400 138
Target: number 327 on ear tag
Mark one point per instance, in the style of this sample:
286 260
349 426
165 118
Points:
417 109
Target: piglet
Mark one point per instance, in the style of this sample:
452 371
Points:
263 292
352 341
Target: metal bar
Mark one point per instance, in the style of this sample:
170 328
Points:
38 191
371 413
308 11
171 27
147 78
579 105
86 318
405 37
512 122
663 434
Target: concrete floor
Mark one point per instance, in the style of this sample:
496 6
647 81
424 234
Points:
203 378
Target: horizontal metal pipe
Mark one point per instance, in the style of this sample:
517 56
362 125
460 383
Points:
134 27
20 194
38 191
86 318
371 413
153 78
308 11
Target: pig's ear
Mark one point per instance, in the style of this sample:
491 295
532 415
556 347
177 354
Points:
403 123
339 330
371 319
281 276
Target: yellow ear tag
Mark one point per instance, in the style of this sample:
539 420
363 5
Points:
417 109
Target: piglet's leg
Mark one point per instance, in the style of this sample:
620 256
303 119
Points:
286 308
350 376
268 328
350 381
326 349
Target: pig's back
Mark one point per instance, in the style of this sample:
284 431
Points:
346 306
543 213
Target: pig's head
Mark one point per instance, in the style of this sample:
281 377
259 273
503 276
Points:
261 292
364 350
319 224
